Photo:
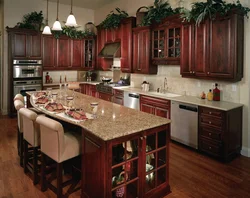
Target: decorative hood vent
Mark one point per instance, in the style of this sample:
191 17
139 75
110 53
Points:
111 50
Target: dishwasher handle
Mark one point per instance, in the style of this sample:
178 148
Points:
188 108
132 95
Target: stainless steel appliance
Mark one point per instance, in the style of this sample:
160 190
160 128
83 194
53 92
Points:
131 100
27 85
27 69
184 125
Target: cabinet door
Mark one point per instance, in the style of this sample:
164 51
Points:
63 53
49 52
126 46
77 53
187 50
20 45
35 46
162 112
222 55
89 54
83 88
106 97
201 53
147 108
158 43
92 91
118 100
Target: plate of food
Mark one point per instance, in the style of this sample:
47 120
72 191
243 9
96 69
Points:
54 107
40 94
42 100
76 114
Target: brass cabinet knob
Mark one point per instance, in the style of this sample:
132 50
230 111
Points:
210 122
208 73
210 148
190 72
141 138
210 112
210 134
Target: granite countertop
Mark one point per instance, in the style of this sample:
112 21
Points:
81 82
221 105
113 120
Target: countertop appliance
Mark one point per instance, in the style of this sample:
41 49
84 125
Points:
131 100
184 125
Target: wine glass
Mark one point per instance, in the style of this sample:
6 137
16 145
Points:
94 107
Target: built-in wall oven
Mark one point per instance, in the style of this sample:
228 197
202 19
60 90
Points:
27 76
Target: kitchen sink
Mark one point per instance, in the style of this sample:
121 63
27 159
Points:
170 95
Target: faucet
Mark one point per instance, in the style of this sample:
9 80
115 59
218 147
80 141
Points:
165 85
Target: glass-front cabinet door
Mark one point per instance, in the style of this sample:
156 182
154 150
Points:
173 42
125 166
89 50
159 43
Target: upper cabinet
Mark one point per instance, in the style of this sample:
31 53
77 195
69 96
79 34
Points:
214 50
25 44
68 54
142 50
166 41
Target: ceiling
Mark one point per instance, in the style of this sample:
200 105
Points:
91 4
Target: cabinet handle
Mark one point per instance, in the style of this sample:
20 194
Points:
210 148
190 72
141 138
139 69
210 134
210 112
208 73
145 137
193 72
210 122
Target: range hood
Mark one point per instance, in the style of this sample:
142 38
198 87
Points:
111 50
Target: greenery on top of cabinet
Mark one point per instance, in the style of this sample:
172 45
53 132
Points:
158 11
113 19
201 10
73 33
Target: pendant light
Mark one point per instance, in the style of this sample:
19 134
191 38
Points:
46 29
71 20
57 25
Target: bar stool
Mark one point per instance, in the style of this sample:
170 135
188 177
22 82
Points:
18 105
60 146
31 136
74 86
19 97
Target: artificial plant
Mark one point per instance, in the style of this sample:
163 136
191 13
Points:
33 20
73 33
113 20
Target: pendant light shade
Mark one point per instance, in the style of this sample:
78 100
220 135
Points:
71 20
46 29
57 25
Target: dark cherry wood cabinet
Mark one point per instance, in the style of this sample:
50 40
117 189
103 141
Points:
127 44
89 90
63 53
214 50
118 96
25 44
220 132
49 52
89 54
156 106
166 41
105 96
142 51
141 160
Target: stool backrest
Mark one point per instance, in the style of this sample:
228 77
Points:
31 131
73 85
52 137
18 105
19 97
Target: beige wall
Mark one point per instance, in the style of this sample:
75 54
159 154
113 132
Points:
13 13
192 86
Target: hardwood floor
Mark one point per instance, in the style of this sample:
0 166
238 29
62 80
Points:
191 174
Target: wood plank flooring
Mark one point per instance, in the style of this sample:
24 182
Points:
191 174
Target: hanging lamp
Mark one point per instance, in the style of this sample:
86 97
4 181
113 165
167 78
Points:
46 29
57 25
71 20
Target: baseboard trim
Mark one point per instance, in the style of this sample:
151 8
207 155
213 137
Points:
245 151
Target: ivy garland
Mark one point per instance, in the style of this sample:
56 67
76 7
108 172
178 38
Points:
201 10
73 33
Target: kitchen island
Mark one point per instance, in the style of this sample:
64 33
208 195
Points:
125 152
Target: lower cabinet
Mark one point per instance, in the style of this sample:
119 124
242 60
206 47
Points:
89 90
118 96
220 132
156 106
131 166
105 96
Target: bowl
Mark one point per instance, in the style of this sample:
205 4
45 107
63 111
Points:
106 80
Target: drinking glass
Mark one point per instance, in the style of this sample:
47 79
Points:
94 107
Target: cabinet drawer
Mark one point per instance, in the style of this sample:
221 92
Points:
210 133
210 147
207 121
118 92
211 112
155 101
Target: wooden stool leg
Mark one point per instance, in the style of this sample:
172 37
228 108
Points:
35 166
43 173
25 155
59 179
21 144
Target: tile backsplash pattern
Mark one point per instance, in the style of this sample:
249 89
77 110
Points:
185 86
55 75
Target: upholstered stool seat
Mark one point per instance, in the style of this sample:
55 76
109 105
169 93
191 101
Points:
74 86
31 136
60 146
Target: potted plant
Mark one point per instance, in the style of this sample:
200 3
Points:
33 20
202 10
157 12
113 19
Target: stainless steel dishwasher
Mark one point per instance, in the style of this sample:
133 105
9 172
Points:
184 123
131 100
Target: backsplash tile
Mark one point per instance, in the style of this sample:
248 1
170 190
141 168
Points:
188 86
55 75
